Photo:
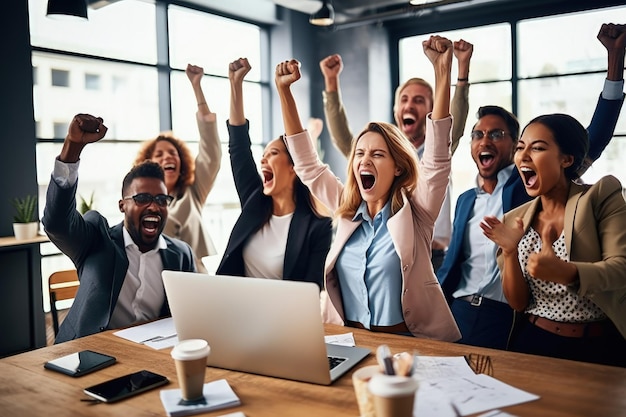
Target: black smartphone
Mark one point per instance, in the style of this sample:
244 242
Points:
126 386
80 363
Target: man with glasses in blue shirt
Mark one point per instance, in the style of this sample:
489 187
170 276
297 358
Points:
469 276
119 267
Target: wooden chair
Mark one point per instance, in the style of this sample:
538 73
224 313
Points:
62 285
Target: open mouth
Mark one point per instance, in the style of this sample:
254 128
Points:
268 176
530 176
486 159
408 120
169 167
367 180
151 223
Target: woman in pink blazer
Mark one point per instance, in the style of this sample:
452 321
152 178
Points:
378 271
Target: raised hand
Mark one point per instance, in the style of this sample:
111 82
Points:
331 66
238 69
86 128
502 235
438 50
463 52
194 73
612 36
287 73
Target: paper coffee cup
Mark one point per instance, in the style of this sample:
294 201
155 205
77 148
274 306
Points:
393 395
360 379
190 358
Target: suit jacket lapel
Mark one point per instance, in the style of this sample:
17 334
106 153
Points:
575 192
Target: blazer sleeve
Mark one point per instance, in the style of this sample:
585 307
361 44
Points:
601 129
459 109
337 121
209 158
245 173
320 240
318 177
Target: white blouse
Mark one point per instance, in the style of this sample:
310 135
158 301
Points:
549 299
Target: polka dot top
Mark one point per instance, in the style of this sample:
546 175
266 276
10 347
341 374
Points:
549 299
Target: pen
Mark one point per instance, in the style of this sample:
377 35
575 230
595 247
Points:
383 355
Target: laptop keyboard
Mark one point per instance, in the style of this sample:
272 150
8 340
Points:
333 361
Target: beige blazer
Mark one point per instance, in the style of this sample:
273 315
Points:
595 238
424 307
185 213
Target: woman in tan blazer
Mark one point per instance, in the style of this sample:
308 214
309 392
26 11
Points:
189 181
563 254
378 271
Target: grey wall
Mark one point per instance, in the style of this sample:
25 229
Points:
18 170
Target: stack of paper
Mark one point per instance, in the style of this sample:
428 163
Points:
217 394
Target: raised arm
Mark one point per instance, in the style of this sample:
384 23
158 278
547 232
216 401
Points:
288 72
609 105
237 70
439 52
459 107
83 129
195 74
335 113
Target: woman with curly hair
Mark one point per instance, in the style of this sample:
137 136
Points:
189 181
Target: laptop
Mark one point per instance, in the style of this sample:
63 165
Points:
261 326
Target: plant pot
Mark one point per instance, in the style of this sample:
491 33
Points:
24 231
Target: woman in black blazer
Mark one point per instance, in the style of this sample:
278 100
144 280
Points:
280 233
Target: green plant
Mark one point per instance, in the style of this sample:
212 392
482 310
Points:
85 205
25 209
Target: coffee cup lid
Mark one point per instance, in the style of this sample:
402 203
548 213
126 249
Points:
191 349
392 385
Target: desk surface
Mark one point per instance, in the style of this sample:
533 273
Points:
9 241
566 388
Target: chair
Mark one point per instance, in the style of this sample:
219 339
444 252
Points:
62 285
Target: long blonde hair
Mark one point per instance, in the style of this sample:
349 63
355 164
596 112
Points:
405 158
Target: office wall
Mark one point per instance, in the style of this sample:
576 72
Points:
18 171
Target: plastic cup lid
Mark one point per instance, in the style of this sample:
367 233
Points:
191 349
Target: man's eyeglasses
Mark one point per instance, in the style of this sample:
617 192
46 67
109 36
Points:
494 135
143 199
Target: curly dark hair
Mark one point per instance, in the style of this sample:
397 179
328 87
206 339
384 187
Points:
145 169
187 162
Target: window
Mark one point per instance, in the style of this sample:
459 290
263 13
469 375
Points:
92 82
550 78
60 78
114 74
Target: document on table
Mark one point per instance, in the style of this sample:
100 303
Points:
449 380
158 334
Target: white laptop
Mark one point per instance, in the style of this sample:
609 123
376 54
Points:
262 326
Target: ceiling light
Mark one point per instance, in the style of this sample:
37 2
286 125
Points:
58 8
325 16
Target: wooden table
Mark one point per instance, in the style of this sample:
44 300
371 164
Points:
566 388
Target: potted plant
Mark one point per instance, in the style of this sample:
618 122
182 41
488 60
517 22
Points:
85 205
25 220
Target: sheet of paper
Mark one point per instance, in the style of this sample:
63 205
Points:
434 367
158 334
346 339
470 394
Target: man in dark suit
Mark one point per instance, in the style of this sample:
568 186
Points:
469 276
119 267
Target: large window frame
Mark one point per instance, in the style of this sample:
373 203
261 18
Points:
220 212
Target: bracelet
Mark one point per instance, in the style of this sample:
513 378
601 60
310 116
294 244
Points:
201 103
462 79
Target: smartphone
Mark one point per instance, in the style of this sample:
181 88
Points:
80 363
126 386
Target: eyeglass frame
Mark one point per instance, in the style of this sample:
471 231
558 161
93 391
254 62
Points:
153 199
490 134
